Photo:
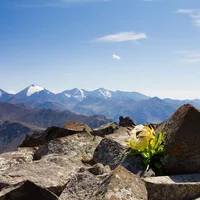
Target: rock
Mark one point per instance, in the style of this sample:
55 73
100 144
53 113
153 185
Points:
183 187
80 186
77 127
109 152
10 159
127 121
99 169
27 190
121 185
182 141
120 135
105 129
77 146
47 174
48 135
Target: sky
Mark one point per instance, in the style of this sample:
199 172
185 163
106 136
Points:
147 46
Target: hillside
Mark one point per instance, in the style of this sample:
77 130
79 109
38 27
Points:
13 133
46 117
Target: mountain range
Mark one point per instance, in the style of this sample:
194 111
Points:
111 104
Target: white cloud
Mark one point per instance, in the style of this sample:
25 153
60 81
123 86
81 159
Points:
116 57
122 37
189 56
192 13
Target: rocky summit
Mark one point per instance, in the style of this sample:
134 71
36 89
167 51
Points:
76 162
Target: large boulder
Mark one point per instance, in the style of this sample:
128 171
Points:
182 141
109 152
121 184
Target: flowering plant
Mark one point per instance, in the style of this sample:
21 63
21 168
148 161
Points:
146 142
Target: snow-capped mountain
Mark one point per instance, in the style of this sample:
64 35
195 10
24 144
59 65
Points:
33 93
111 104
78 94
4 96
102 93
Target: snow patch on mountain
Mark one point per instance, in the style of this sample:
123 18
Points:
82 93
33 89
79 94
67 95
1 93
106 93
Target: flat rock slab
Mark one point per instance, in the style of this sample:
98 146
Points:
177 187
78 146
48 175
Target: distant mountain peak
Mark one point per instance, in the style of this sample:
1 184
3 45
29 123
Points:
34 89
76 93
105 93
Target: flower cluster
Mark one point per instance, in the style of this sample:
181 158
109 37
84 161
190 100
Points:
146 142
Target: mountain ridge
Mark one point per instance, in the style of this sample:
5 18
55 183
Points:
112 104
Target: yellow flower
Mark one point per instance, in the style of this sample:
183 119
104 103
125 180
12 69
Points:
141 138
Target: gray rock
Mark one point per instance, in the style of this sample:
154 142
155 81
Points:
48 135
182 141
181 187
10 159
109 152
27 190
49 175
120 135
99 169
105 129
79 146
121 185
80 186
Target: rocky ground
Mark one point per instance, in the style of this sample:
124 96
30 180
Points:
78 163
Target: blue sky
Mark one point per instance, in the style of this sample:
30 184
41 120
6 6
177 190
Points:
152 47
